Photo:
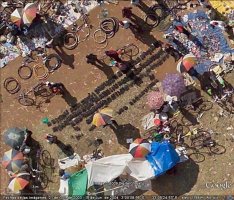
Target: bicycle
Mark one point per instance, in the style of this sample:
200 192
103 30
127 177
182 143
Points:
126 53
195 111
40 90
40 178
226 101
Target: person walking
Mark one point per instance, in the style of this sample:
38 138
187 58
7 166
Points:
114 55
56 88
127 12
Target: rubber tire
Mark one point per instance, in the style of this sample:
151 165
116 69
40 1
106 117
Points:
25 77
55 67
72 46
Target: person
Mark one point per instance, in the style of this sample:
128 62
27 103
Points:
56 88
181 29
51 139
64 175
173 52
114 55
127 12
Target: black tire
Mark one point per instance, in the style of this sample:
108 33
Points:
74 44
58 64
152 19
206 105
26 101
7 83
197 157
182 130
46 158
217 149
131 50
25 77
44 180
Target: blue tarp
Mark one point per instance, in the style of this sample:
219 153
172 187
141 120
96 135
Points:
162 157
206 35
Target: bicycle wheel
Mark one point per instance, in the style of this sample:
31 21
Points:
217 149
44 180
46 158
182 130
131 50
152 19
26 101
206 105
43 91
70 41
197 157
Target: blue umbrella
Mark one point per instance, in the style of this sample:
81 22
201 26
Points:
14 137
173 84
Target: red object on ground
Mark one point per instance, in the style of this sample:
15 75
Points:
180 29
113 54
157 122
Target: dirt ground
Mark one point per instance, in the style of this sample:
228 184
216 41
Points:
80 79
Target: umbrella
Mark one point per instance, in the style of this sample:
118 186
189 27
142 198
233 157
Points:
14 137
139 148
13 160
186 63
155 100
173 84
30 12
101 118
16 17
19 182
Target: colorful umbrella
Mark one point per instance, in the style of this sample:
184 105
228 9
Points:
14 137
30 12
16 17
13 160
173 84
101 118
19 182
186 63
139 148
155 100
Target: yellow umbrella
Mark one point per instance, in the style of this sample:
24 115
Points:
16 17
224 6
19 182
102 117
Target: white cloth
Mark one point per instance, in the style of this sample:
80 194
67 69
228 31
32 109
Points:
148 121
220 24
69 161
126 24
107 169
63 188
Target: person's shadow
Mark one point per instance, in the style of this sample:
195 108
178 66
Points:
126 131
180 183
67 150
70 100
103 67
66 59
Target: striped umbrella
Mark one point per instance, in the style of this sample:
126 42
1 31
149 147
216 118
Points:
19 182
155 100
186 63
139 148
13 160
102 117
173 84
16 17
30 12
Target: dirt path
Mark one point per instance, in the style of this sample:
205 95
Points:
82 80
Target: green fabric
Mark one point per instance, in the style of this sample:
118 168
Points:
77 183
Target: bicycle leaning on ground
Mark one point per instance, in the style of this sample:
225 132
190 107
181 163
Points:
40 179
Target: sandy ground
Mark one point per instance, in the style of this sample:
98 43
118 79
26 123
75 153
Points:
80 79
